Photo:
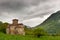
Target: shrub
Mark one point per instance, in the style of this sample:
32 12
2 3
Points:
3 27
39 32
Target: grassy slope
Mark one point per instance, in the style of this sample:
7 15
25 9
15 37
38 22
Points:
52 24
18 37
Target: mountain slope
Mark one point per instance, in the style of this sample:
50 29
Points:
52 24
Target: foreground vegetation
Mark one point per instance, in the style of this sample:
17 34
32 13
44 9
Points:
27 37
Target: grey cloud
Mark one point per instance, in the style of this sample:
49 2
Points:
20 5
11 5
27 9
16 5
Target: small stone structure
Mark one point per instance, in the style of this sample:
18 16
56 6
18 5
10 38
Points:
15 28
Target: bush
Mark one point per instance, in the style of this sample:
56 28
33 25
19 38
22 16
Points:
3 27
39 32
29 31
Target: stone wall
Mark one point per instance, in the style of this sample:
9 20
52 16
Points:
15 28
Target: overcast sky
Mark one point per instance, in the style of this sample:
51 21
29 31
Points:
29 12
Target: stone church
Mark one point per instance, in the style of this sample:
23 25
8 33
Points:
15 28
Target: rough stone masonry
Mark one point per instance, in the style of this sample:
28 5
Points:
15 28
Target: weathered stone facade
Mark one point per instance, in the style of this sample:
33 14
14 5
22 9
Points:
15 28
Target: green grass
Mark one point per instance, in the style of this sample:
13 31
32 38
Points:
27 37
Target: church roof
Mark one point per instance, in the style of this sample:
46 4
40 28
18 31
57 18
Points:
20 23
15 19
